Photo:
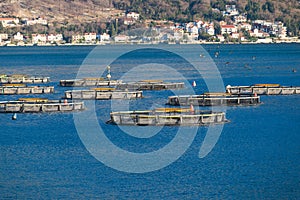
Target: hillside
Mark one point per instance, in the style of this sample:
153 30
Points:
96 11
72 11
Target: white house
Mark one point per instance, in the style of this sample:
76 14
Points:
128 21
133 15
42 21
231 10
210 30
89 37
199 23
239 19
39 38
3 36
39 20
121 38
178 33
77 38
18 37
221 38
54 38
245 26
193 29
258 33
9 22
235 35
104 37
228 29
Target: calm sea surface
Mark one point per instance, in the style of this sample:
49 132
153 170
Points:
257 155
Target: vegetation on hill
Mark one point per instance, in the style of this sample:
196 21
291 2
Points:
287 11
97 15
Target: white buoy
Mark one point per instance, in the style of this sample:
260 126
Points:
14 116
192 110
194 84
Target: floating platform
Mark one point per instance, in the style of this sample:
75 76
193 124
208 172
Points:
213 99
12 89
263 89
151 85
89 82
103 94
36 105
168 117
21 78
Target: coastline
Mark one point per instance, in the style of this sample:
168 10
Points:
286 41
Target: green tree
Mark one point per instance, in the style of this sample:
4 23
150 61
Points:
112 29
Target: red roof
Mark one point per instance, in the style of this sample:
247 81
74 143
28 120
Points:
228 26
7 19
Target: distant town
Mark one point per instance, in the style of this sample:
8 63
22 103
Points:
236 30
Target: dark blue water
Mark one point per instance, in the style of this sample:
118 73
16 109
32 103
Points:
256 156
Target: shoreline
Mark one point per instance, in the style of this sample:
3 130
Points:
156 43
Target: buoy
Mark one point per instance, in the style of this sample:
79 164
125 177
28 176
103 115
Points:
192 109
14 116
194 84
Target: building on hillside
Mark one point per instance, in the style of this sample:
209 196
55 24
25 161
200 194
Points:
221 38
245 26
104 37
133 15
4 36
9 22
90 37
54 38
178 33
228 29
129 21
120 38
192 29
239 19
210 29
39 38
33 21
258 33
18 37
230 10
77 38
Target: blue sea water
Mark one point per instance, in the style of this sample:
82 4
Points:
256 156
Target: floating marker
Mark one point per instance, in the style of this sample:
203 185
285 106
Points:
194 84
192 108
14 116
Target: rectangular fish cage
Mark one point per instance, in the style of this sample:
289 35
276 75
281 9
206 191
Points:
263 89
21 78
168 117
35 105
102 94
89 82
213 99
13 89
151 85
